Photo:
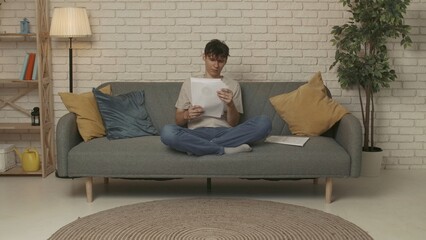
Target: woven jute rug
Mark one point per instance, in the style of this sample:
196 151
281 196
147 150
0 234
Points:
211 219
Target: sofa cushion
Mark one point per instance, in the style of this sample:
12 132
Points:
308 110
149 157
160 98
89 120
124 116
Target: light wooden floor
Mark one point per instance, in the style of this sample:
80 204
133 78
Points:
389 207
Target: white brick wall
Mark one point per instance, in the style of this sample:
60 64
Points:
270 40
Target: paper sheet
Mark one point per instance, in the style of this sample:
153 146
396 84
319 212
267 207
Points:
288 140
203 93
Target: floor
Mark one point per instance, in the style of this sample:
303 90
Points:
389 207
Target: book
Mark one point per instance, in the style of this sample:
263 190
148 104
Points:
30 67
35 69
24 67
288 140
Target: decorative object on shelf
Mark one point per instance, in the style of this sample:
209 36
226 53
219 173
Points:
7 157
30 159
25 26
70 22
35 116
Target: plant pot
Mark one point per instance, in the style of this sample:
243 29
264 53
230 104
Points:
371 163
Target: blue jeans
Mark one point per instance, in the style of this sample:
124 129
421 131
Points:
207 140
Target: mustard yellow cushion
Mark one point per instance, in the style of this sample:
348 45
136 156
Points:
89 120
308 110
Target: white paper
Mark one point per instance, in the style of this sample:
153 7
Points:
204 94
288 140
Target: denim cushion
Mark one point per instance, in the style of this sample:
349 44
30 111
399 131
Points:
124 116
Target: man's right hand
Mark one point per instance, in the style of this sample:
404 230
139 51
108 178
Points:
194 112
184 116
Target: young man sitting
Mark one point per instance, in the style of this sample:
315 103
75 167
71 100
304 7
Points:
197 134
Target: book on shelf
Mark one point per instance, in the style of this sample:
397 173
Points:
35 69
24 67
288 140
29 67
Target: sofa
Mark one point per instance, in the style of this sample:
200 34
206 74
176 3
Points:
334 154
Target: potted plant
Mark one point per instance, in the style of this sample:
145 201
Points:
362 56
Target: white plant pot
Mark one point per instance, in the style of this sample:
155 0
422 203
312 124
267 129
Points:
371 163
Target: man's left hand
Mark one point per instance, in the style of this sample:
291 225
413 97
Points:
225 95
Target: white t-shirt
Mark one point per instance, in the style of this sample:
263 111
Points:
184 102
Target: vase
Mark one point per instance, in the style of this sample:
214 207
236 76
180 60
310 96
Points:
371 163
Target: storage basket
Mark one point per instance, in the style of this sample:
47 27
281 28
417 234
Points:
7 157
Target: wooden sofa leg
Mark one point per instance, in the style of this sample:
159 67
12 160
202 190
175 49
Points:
328 189
106 180
89 189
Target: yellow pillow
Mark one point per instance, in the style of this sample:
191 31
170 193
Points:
308 110
89 120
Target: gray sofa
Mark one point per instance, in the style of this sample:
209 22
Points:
335 154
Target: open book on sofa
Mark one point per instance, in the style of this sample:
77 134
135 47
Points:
288 140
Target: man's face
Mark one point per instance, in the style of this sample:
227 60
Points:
214 65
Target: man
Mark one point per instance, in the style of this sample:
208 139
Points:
197 134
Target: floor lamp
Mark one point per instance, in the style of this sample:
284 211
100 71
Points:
70 22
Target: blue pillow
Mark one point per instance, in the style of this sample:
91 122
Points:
125 115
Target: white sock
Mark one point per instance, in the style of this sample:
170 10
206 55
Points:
238 149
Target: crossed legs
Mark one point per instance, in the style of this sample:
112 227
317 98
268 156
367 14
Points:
204 141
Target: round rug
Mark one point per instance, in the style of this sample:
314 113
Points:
211 219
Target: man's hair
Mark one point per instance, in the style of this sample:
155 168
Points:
216 48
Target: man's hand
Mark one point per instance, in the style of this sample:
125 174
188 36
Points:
182 116
232 115
194 112
225 95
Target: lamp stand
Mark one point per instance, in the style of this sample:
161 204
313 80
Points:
70 64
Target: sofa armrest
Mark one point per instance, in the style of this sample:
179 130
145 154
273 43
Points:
67 137
349 136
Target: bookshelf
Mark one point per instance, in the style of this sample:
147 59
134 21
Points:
43 85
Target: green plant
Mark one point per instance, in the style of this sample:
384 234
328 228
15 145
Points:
362 55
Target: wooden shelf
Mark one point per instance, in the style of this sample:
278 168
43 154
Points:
18 34
17 82
18 171
22 87
18 126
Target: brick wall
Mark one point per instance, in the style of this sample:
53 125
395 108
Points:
281 40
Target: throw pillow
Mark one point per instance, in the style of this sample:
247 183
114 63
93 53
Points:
308 110
124 116
89 120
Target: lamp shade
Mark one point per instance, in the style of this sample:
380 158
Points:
70 22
